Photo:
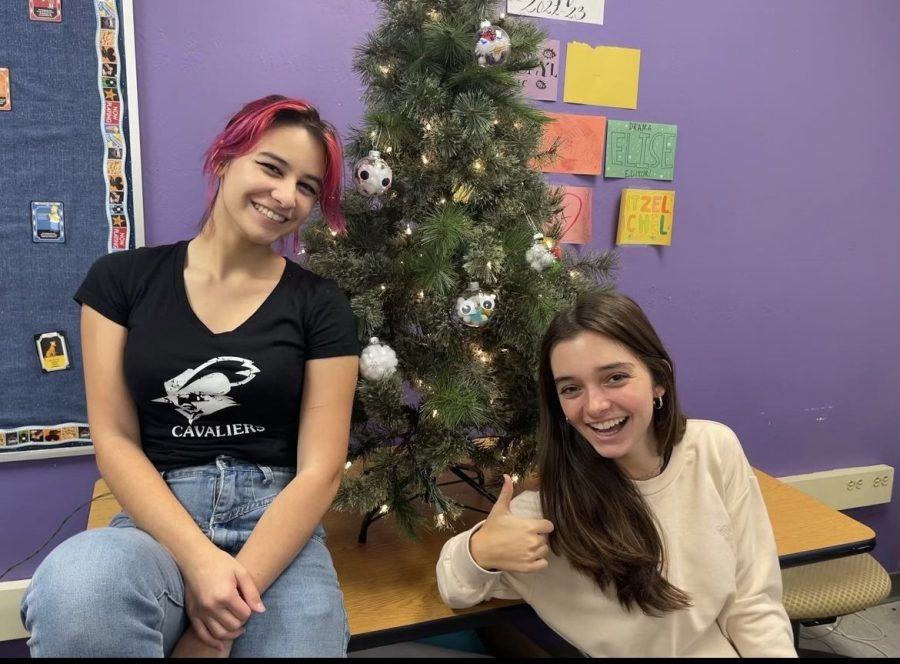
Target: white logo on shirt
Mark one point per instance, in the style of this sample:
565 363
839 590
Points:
204 390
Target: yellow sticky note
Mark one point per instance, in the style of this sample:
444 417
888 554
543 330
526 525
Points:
602 75
646 216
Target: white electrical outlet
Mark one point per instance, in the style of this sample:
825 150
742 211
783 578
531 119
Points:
10 623
845 488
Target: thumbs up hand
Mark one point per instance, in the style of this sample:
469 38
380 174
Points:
509 543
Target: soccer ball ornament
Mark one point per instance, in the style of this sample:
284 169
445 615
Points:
377 361
543 254
475 306
372 175
493 45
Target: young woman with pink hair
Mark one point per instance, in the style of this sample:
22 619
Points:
219 379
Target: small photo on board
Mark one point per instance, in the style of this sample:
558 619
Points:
47 222
52 350
5 99
45 10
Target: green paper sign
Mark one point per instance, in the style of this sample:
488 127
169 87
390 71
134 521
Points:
644 150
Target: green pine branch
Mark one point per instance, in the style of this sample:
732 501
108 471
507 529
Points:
466 200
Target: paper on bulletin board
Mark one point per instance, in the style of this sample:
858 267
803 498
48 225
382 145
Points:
646 216
643 150
542 82
580 11
581 143
575 219
5 96
602 75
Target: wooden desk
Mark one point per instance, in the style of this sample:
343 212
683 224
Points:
389 583
390 586
806 529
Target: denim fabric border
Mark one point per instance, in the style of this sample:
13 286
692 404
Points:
53 150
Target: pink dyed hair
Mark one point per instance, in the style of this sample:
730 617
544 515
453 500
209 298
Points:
247 126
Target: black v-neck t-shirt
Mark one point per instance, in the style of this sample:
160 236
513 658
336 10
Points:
199 394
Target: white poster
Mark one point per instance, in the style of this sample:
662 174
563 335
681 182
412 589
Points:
580 11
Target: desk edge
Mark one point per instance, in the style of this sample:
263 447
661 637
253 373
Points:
828 553
456 623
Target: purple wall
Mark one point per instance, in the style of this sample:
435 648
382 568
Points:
778 298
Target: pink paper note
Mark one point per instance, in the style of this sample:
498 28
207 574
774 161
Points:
541 82
575 218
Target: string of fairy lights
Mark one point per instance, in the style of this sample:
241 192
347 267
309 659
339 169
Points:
378 178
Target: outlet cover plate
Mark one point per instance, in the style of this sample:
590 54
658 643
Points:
846 488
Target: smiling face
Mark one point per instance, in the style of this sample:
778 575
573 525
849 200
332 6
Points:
607 393
269 192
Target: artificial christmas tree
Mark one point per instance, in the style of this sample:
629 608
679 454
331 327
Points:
463 204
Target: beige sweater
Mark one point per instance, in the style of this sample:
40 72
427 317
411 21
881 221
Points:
720 550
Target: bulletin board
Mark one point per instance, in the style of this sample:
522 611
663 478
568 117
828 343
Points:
69 193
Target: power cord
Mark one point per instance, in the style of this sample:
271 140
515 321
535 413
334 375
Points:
55 532
823 635
880 631
838 631
862 640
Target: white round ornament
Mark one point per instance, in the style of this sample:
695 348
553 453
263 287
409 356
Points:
377 361
493 45
372 175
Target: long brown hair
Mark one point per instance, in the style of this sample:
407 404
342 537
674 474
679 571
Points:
603 526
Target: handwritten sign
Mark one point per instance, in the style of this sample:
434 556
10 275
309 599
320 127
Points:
602 75
542 82
640 150
581 143
580 11
575 219
646 216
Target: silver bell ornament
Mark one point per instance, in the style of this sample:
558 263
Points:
493 45
543 254
475 307
377 360
372 175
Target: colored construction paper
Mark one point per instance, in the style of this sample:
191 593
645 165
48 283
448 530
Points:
646 216
640 150
602 75
581 147
542 82
575 220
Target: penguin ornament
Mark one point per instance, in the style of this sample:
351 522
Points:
372 175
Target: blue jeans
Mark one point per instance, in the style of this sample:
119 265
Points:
117 592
